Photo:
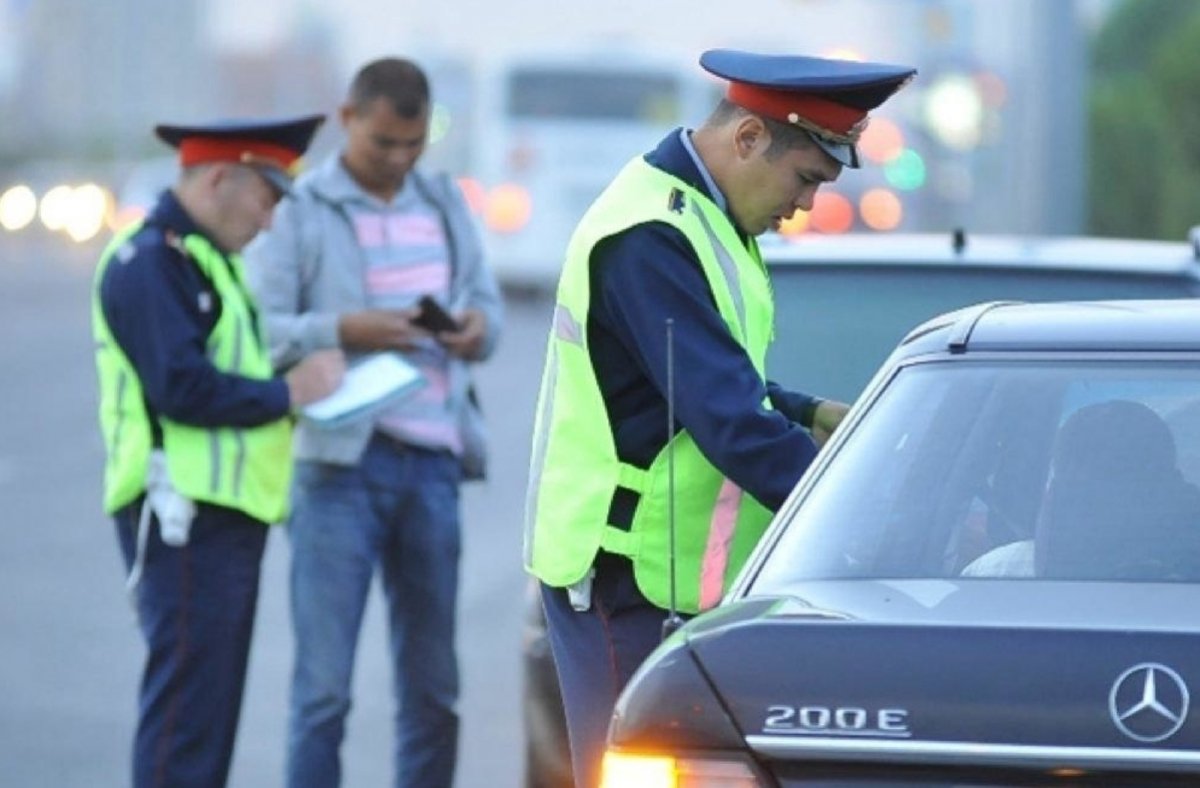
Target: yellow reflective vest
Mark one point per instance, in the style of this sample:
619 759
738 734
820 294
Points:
575 470
243 468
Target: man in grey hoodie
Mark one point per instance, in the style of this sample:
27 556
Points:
345 264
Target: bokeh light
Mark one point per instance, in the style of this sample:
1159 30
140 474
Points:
473 193
882 141
90 206
55 207
992 89
906 172
832 213
843 53
794 225
953 111
508 208
18 207
881 209
439 123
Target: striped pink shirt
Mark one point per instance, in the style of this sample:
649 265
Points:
404 244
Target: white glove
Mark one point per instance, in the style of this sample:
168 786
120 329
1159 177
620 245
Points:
175 512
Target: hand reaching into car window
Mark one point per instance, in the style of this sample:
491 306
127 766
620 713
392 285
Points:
826 418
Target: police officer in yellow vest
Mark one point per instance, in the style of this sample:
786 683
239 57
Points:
198 434
673 236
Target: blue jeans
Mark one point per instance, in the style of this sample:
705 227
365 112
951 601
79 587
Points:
398 509
195 608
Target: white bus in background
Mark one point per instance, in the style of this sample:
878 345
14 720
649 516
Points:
549 133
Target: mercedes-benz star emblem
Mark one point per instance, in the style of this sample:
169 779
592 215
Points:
1148 702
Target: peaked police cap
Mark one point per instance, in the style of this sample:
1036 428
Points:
829 99
272 147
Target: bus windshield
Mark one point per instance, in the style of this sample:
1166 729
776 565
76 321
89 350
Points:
580 94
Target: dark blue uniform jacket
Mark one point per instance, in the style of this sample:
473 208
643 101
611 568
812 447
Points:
161 309
642 276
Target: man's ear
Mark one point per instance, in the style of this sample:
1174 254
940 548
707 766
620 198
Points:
749 136
215 173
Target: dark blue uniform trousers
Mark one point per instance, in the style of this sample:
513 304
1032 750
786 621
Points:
195 607
596 652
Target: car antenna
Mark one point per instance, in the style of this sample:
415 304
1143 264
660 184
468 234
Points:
673 621
960 240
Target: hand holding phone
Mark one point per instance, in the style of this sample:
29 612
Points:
433 317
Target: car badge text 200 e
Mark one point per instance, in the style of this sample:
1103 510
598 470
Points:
819 720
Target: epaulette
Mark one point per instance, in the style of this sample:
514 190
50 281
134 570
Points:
675 201
128 250
125 252
172 239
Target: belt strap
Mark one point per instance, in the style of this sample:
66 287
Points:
632 478
614 540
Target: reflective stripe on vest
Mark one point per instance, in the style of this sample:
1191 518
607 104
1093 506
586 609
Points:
248 469
574 470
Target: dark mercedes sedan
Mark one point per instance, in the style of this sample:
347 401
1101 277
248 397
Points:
990 577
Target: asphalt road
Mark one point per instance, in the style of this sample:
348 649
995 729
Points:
70 654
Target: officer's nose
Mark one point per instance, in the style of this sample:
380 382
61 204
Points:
804 201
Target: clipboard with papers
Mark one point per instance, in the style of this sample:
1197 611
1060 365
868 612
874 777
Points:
370 384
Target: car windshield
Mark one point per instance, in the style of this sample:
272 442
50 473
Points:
1063 470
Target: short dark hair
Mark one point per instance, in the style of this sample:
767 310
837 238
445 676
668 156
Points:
784 136
400 81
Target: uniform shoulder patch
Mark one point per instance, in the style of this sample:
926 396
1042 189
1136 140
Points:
175 242
675 201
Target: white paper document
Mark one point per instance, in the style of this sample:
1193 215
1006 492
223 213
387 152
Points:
369 384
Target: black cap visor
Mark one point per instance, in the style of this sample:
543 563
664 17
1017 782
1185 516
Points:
276 177
845 153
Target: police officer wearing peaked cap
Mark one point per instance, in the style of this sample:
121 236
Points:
273 148
829 99
198 434
673 236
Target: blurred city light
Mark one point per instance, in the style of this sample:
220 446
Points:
794 225
508 208
844 53
439 123
81 211
882 141
832 213
124 216
881 209
89 208
55 207
992 89
906 172
18 207
953 111
473 193
938 24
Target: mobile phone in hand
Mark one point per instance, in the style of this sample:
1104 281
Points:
433 318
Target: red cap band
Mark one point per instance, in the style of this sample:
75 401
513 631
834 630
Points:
205 150
791 107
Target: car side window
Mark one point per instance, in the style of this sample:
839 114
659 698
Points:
1030 470
1117 505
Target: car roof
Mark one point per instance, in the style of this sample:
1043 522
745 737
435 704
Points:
983 251
1169 325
